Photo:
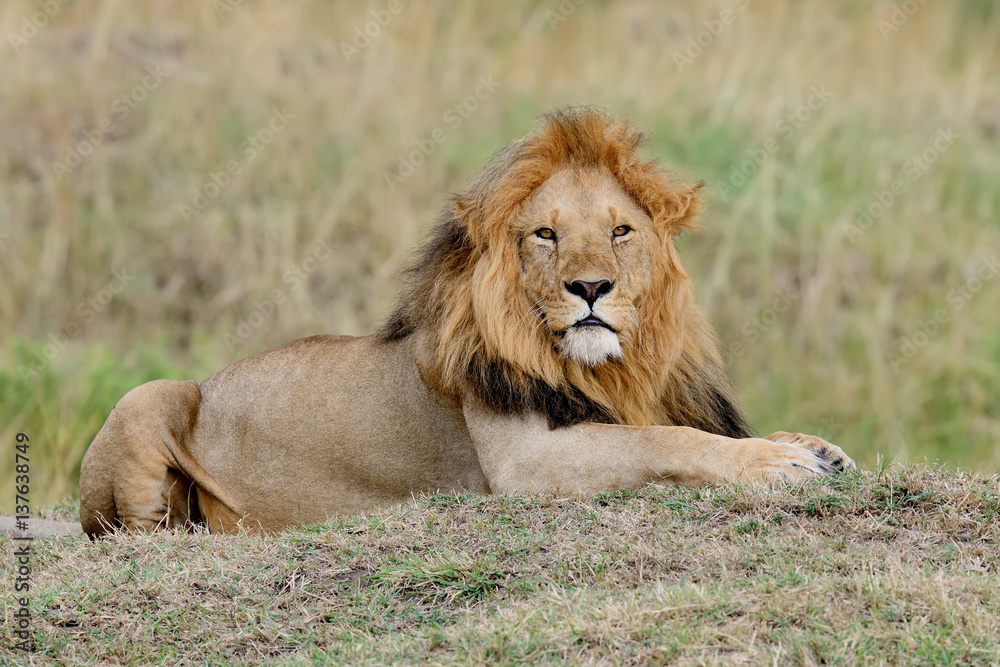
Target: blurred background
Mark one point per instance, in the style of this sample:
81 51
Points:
185 184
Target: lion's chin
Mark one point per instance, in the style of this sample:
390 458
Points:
590 345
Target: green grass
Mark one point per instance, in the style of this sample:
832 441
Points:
825 364
895 566
99 374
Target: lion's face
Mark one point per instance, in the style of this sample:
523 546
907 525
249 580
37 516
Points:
552 285
586 253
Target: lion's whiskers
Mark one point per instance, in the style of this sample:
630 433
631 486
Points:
536 309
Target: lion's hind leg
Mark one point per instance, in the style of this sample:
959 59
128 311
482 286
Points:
131 477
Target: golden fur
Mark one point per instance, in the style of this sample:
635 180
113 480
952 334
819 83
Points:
671 376
547 340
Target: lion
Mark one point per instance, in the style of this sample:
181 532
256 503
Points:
546 340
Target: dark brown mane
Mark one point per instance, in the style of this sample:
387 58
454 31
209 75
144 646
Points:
675 378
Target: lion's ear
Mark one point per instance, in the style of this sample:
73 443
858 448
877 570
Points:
681 207
468 215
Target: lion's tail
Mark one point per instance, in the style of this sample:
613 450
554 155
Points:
138 472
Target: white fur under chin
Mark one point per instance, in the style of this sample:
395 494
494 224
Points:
590 345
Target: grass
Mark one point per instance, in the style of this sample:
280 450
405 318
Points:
885 340
850 357
892 566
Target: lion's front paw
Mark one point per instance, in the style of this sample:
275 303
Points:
833 459
791 458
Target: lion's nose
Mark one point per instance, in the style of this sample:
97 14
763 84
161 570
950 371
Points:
590 291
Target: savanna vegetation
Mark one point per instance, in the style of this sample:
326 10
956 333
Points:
185 184
891 566
129 252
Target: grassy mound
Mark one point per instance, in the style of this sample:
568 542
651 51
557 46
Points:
896 566
849 153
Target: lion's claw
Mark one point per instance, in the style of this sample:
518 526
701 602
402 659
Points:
794 458
832 458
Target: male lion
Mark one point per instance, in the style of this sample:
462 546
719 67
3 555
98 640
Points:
547 339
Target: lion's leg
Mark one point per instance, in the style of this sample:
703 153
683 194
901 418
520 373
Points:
520 453
160 498
134 474
154 496
831 455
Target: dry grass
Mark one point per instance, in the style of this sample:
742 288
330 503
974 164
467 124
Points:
896 568
890 567
825 364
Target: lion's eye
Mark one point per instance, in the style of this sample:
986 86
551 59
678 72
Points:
621 230
546 233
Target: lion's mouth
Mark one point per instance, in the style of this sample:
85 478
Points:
594 321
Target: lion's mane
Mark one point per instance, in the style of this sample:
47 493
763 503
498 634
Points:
478 332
